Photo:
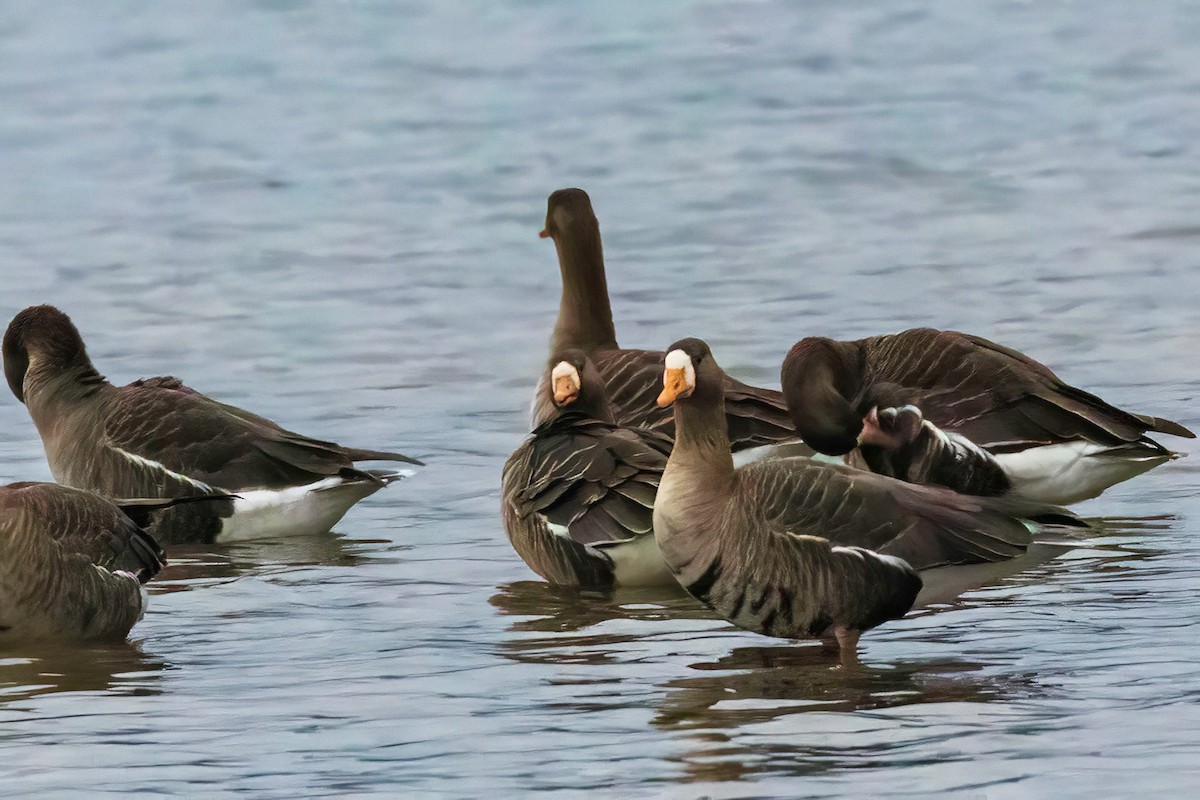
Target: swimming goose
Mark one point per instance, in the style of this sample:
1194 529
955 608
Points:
1054 442
578 494
631 377
794 548
159 438
72 563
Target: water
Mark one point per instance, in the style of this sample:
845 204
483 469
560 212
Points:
327 213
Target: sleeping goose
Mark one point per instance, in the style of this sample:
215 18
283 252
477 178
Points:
159 438
72 563
794 548
1053 442
631 377
578 494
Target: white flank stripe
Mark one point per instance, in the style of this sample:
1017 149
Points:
154 465
295 511
1069 472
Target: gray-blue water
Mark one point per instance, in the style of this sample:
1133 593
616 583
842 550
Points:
328 213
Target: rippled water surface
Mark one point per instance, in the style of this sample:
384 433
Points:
327 213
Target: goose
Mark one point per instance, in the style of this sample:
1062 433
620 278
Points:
72 564
756 416
159 438
794 548
1052 442
578 494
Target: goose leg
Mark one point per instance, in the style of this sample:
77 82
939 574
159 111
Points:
842 641
845 641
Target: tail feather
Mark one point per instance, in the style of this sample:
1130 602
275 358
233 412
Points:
354 454
1160 425
149 553
141 509
380 476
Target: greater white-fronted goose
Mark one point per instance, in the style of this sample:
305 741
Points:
72 563
1054 442
159 438
578 494
794 548
631 377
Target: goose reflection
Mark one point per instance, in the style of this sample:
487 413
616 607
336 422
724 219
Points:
121 668
753 714
193 566
759 684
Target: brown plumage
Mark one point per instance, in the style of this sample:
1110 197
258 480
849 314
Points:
71 563
578 494
900 443
794 548
756 416
158 438
1055 442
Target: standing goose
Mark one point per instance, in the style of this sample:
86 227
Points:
159 438
1053 442
72 563
793 548
631 377
578 494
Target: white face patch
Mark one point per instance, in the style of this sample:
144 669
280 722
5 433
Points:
564 370
677 359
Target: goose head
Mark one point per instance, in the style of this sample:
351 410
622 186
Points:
820 384
575 382
569 214
40 339
690 373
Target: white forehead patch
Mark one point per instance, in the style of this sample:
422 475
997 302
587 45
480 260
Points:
564 370
677 359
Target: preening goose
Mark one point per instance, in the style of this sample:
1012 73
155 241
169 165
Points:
631 377
159 438
1053 442
794 548
578 494
72 563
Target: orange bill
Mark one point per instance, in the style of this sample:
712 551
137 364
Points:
674 385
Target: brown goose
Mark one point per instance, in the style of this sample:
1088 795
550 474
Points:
794 548
578 494
1053 442
159 438
631 377
72 563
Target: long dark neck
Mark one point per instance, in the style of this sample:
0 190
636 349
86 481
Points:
702 437
74 379
584 315
819 388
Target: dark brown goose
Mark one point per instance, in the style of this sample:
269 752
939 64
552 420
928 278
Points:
1054 442
159 438
631 377
794 548
72 563
578 494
